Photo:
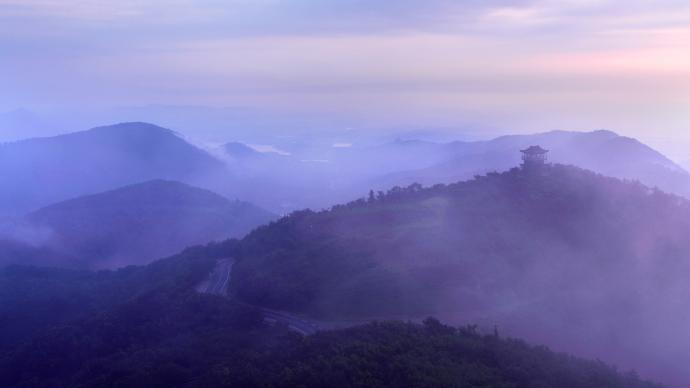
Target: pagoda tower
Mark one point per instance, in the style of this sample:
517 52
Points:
533 156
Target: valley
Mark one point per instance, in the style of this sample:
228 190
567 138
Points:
344 194
534 254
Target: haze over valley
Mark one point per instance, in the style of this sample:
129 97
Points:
538 253
344 194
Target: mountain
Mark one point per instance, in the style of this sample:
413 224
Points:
586 263
601 151
321 176
40 171
138 223
146 326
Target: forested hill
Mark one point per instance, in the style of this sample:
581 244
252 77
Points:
41 171
468 249
143 222
34 299
406 248
553 256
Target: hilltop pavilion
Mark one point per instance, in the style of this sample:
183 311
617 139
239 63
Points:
534 156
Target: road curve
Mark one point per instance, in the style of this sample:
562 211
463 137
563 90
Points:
217 284
218 280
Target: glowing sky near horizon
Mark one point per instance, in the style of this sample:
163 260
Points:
515 66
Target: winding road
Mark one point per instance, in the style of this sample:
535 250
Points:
218 280
217 284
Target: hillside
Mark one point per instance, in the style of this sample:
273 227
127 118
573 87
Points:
138 223
34 299
144 327
555 257
40 171
232 349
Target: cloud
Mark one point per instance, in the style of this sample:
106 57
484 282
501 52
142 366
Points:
540 61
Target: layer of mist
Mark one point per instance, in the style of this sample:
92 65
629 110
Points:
582 262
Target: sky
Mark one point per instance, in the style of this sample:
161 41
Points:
498 65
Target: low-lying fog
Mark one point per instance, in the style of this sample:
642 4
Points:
134 192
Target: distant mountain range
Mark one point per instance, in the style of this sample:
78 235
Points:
139 223
561 257
321 177
41 171
601 151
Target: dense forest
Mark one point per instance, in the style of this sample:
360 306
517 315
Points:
398 354
145 221
33 299
411 249
185 339
553 255
147 327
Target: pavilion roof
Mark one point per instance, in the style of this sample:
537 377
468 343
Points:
535 149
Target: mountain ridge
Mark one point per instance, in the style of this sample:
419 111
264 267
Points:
95 160
602 151
143 222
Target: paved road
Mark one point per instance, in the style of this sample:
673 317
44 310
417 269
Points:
217 284
294 323
218 280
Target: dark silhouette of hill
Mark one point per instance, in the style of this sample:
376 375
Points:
40 171
587 263
145 326
142 222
